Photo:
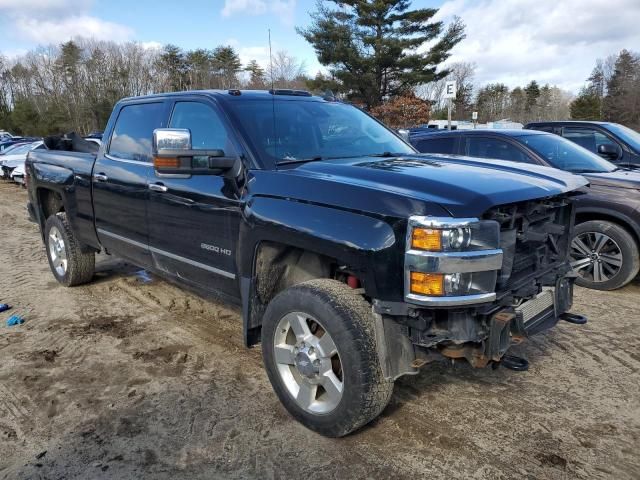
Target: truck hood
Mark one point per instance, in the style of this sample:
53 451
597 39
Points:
461 185
617 179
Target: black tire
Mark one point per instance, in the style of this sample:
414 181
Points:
347 317
79 266
623 242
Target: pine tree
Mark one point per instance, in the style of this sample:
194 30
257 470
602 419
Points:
622 103
226 65
257 78
374 47
586 106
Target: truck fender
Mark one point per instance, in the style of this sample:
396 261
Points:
57 179
348 237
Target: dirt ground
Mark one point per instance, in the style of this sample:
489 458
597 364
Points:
132 377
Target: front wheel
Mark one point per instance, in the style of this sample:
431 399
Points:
319 350
604 255
68 263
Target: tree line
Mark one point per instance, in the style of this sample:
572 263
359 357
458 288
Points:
382 55
612 92
74 86
496 101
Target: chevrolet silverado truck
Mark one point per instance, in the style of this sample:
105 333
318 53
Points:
355 259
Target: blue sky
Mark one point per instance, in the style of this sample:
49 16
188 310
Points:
510 41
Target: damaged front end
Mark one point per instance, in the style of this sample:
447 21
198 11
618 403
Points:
475 287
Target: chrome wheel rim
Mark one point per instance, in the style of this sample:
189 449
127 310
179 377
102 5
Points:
596 257
57 251
308 363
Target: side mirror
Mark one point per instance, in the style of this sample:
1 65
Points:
608 151
173 155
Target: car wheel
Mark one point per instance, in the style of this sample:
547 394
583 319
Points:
319 350
604 255
68 264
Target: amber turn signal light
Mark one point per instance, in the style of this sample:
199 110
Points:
426 239
427 283
159 162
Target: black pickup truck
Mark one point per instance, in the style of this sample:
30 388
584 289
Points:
355 259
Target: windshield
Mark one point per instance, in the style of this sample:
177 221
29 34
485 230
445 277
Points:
629 136
288 130
21 149
566 155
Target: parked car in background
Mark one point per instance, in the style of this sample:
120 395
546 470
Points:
612 141
17 175
605 247
17 156
9 144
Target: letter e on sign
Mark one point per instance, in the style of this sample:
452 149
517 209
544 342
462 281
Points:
450 89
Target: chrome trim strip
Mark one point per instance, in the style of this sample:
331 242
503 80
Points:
453 262
123 239
135 162
450 301
164 253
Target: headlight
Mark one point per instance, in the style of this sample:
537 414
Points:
451 261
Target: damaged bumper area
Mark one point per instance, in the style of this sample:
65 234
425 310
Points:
533 291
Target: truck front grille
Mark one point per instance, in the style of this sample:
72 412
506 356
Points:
534 236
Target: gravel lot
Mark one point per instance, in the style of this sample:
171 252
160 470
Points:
126 378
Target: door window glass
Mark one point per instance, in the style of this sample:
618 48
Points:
207 129
587 138
133 133
486 147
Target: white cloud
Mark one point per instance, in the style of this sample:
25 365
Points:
152 45
516 41
56 21
285 9
60 30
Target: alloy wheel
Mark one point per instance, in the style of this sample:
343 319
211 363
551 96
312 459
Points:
595 256
308 363
57 251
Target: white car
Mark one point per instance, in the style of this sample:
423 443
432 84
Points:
17 156
17 175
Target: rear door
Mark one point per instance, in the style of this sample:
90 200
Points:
194 220
120 177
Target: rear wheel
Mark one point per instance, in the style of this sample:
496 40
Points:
604 255
319 351
68 263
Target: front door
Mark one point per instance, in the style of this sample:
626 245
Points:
120 178
194 220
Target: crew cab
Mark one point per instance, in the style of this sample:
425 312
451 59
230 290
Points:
605 250
355 259
612 141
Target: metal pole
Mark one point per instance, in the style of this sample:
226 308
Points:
449 113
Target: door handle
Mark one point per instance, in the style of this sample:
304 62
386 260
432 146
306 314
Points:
158 187
100 177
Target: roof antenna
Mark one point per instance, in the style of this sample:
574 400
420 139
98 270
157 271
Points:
273 100
271 61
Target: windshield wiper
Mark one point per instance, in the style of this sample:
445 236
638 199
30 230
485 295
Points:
301 160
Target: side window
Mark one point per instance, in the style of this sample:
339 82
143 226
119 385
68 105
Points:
486 147
133 132
207 129
588 138
544 128
437 145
